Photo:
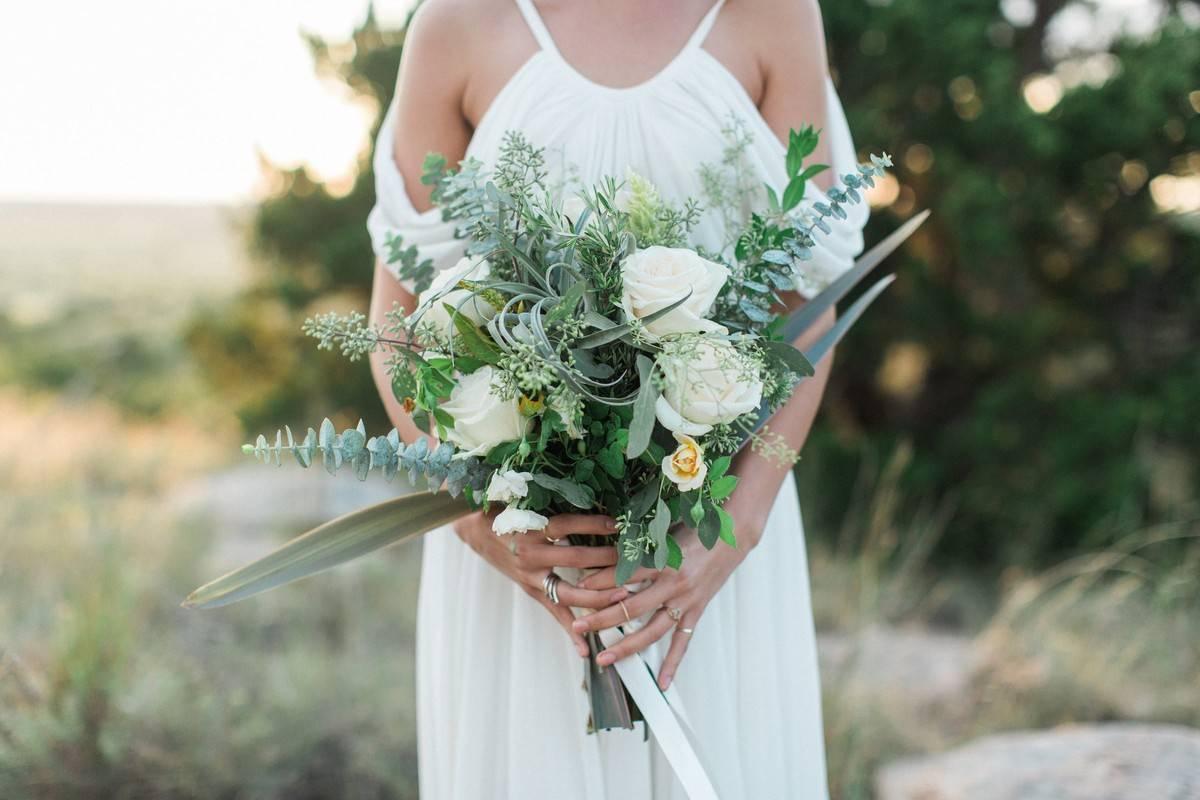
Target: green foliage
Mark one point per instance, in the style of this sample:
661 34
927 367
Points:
1039 351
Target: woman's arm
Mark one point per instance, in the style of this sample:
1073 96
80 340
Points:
429 118
794 70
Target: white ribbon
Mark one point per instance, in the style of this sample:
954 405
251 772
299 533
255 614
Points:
665 721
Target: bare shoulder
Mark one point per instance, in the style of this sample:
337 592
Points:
474 43
780 24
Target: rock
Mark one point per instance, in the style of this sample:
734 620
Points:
918 668
254 508
1092 762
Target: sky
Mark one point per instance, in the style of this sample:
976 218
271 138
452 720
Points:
170 100
173 100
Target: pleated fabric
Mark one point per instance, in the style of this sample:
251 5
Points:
501 708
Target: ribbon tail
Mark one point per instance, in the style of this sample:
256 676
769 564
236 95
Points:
663 723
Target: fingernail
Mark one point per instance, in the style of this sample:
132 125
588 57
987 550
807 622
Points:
605 659
579 626
583 584
664 682
583 651
619 595
611 524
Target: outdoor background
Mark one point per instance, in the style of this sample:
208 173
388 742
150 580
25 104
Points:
1002 496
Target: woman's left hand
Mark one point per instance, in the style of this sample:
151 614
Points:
688 589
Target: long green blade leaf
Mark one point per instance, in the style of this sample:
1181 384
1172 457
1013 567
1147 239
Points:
336 542
804 317
834 335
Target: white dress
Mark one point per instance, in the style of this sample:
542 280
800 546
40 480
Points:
501 711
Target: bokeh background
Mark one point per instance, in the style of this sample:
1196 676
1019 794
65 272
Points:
1002 495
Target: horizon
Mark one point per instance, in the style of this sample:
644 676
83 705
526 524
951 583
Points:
232 85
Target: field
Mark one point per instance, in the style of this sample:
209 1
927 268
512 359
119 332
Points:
123 489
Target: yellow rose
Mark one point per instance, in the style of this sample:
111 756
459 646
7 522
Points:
686 466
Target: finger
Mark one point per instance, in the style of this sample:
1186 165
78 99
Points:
571 595
607 578
550 555
564 617
638 604
582 524
637 641
679 646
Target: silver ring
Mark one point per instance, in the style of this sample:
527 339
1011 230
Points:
550 587
675 614
688 631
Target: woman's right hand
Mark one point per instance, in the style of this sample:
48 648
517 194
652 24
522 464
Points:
527 558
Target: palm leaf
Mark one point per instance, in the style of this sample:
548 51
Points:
336 542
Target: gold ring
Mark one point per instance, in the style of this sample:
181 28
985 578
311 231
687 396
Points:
548 539
688 631
675 614
626 610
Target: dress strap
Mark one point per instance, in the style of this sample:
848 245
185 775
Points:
705 26
538 28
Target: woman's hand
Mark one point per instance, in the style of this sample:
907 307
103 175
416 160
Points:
688 589
528 558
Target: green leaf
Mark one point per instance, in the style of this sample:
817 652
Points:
660 524
643 499
792 358
567 304
475 343
718 467
695 508
709 527
722 487
813 171
726 532
674 554
661 555
336 542
794 193
626 568
612 459
642 425
404 384
575 494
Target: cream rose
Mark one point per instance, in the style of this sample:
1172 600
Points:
508 486
441 293
705 383
481 419
518 520
686 467
656 277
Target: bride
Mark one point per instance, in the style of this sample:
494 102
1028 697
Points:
609 86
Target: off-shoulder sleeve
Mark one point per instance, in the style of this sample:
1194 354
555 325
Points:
394 213
836 250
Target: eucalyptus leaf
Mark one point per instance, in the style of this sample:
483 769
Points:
642 425
577 495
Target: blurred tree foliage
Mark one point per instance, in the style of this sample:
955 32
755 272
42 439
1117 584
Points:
1038 359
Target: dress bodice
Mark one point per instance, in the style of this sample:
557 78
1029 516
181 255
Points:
664 129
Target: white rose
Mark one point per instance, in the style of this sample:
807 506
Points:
508 486
518 520
441 293
656 277
686 467
705 384
481 419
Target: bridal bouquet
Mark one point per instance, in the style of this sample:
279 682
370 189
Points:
581 356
